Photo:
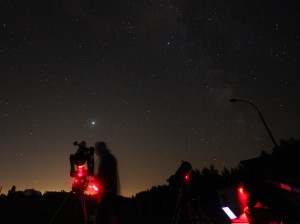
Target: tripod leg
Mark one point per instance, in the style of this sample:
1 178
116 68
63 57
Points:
178 216
177 211
83 206
58 210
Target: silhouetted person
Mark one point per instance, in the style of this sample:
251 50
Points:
107 176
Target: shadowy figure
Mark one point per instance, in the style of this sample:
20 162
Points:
107 175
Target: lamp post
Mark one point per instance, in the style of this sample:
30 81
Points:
261 117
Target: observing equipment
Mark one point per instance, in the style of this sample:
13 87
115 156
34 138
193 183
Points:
82 169
84 157
185 211
181 178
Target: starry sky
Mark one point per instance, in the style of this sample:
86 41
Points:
151 78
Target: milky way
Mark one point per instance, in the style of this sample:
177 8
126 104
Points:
151 78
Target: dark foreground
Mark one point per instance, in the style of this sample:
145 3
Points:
42 210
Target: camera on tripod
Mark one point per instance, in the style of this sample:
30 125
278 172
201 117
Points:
82 166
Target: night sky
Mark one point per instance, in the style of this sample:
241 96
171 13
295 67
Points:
151 78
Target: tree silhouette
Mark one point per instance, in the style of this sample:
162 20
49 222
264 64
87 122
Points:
12 191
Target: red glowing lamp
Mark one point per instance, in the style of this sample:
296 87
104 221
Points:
95 188
241 190
187 177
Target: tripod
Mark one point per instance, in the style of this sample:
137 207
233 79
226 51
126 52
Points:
185 213
79 195
81 176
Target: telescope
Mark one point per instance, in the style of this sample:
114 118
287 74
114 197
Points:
82 166
182 176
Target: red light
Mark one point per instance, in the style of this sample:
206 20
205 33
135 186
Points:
94 188
285 187
81 171
241 220
241 190
260 205
187 177
243 196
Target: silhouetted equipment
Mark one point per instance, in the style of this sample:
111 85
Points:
181 177
83 155
273 180
83 159
185 211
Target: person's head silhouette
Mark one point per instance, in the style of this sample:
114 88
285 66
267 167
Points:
101 148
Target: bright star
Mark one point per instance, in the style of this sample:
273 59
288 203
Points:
90 123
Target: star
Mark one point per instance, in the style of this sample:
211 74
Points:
154 82
90 123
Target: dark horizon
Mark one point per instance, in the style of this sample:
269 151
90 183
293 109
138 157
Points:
268 184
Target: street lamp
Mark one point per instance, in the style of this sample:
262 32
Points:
261 117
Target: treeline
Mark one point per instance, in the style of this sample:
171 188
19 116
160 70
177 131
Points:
201 188
14 193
